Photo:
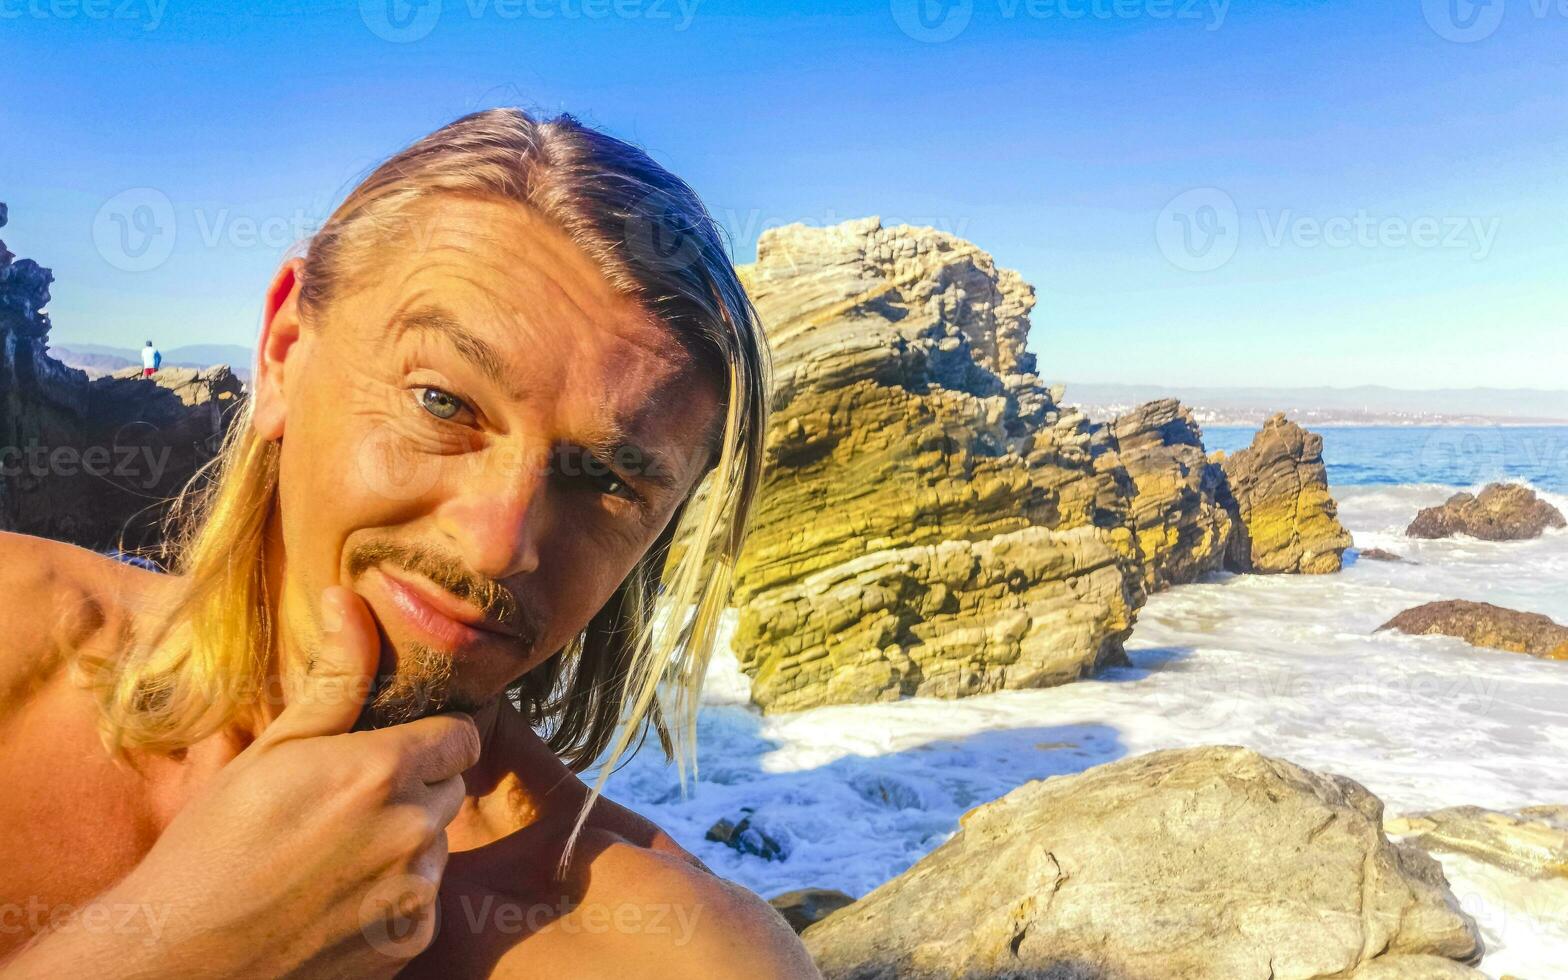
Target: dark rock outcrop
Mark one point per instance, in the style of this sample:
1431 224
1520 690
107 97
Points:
1183 529
1197 863
1482 624
1287 521
805 906
745 836
1502 512
1379 554
94 462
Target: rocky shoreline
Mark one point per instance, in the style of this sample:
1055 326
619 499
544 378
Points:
969 532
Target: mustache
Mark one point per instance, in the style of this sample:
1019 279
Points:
492 598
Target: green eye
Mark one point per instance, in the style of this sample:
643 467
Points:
439 403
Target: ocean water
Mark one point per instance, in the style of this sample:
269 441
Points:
1457 457
1291 666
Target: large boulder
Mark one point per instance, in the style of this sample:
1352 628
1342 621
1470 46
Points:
1482 624
1502 512
1184 864
1287 521
1182 527
931 521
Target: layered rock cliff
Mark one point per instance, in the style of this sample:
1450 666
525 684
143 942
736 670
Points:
1278 491
1183 528
932 522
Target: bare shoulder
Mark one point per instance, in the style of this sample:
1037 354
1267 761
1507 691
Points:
635 912
56 598
714 927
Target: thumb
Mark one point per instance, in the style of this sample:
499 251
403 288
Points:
329 697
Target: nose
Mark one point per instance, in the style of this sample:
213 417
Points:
497 518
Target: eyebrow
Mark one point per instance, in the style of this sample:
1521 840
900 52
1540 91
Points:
606 443
474 349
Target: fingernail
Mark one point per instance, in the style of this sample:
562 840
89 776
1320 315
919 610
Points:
331 613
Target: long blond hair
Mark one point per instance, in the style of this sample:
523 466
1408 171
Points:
654 241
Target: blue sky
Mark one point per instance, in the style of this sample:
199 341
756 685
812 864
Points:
1256 192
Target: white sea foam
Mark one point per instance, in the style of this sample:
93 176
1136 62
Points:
1287 665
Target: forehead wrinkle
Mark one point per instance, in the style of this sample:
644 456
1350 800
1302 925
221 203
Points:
433 319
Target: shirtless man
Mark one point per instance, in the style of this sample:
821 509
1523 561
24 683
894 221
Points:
483 401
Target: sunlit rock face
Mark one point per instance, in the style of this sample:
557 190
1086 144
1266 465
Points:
1201 863
932 522
1287 520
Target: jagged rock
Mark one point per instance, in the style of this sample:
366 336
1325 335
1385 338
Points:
1532 841
931 521
1514 864
1195 863
1482 624
1379 554
1287 521
805 906
93 462
192 386
744 836
1182 528
1502 512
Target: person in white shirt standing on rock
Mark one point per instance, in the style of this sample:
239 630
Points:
151 358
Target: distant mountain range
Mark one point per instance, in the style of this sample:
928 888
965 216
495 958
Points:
98 359
1363 405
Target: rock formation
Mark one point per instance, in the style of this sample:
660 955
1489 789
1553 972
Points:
1482 624
931 522
94 462
1279 495
1196 863
805 906
1502 512
1182 528
1532 842
192 386
1379 554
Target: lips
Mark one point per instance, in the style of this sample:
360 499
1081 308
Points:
446 621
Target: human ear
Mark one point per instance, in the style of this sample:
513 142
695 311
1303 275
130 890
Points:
280 330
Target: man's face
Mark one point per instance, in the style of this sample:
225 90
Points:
481 439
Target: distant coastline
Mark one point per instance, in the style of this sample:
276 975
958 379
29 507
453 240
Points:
1326 407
